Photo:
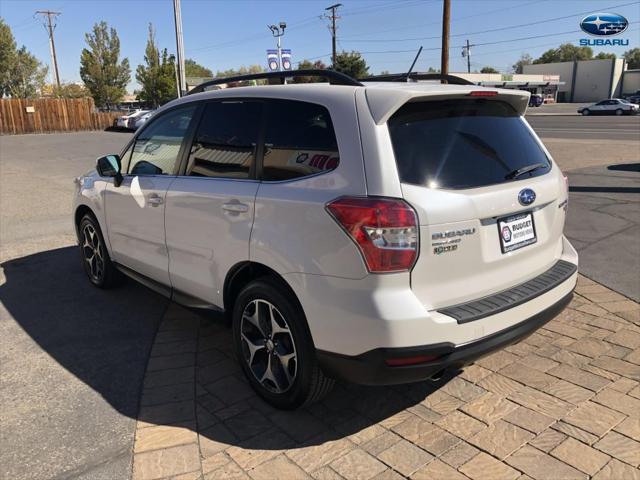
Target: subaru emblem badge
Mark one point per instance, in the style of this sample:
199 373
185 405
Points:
604 24
526 196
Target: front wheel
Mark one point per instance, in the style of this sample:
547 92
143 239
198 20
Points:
586 112
95 257
619 112
274 346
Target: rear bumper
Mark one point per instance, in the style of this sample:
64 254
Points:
370 367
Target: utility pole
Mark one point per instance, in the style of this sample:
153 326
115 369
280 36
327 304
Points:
466 52
333 18
278 31
177 16
50 27
444 63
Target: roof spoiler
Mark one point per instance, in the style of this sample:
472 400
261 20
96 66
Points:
334 77
384 102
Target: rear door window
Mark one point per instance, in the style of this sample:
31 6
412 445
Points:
463 144
299 140
225 142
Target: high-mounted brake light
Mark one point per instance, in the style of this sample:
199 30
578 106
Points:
483 93
384 229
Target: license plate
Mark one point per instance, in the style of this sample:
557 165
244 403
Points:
516 231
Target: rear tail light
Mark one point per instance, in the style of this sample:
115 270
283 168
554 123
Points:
483 93
384 229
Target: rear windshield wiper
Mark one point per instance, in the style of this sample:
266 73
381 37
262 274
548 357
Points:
522 170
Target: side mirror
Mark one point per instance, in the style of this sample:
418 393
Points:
109 166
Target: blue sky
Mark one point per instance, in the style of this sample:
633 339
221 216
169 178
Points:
227 34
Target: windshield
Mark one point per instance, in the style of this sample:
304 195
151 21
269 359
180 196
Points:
463 144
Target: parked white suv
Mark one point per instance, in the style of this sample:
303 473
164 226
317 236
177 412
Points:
379 233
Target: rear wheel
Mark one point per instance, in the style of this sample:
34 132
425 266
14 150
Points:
274 346
619 112
586 112
95 257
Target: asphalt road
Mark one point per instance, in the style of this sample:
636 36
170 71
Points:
577 127
72 357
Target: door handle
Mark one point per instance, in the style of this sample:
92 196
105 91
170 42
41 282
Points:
235 207
155 200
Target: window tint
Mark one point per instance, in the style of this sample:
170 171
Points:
156 149
299 140
462 143
225 141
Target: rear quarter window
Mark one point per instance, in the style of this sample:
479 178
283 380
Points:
299 141
463 143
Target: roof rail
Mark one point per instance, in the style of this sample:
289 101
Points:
334 77
415 76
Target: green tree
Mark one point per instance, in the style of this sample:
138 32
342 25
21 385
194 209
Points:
565 53
352 64
308 65
194 69
27 75
7 56
632 57
605 56
489 70
101 70
21 74
157 77
232 72
525 59
68 90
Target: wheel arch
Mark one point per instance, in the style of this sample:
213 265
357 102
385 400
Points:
241 274
81 211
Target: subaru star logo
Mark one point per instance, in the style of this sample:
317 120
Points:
526 196
604 24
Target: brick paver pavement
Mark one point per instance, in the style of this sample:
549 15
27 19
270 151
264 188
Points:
562 404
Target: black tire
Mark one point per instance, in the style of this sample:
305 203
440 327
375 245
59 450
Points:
586 112
619 111
308 383
100 271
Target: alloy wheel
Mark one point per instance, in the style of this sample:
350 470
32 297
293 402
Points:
93 252
268 347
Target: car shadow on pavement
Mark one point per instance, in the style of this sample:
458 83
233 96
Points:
105 337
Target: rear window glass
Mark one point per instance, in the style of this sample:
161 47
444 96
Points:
463 144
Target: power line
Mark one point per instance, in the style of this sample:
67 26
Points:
499 29
50 26
486 43
386 6
422 25
309 20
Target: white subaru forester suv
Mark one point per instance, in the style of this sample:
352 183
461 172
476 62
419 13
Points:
379 233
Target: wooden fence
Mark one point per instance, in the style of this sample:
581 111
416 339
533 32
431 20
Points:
44 115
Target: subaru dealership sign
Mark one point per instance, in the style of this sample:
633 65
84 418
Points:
604 25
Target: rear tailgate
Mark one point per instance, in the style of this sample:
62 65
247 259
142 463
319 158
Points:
484 227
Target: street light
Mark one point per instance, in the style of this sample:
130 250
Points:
278 31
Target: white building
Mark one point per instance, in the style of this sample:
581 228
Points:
584 80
